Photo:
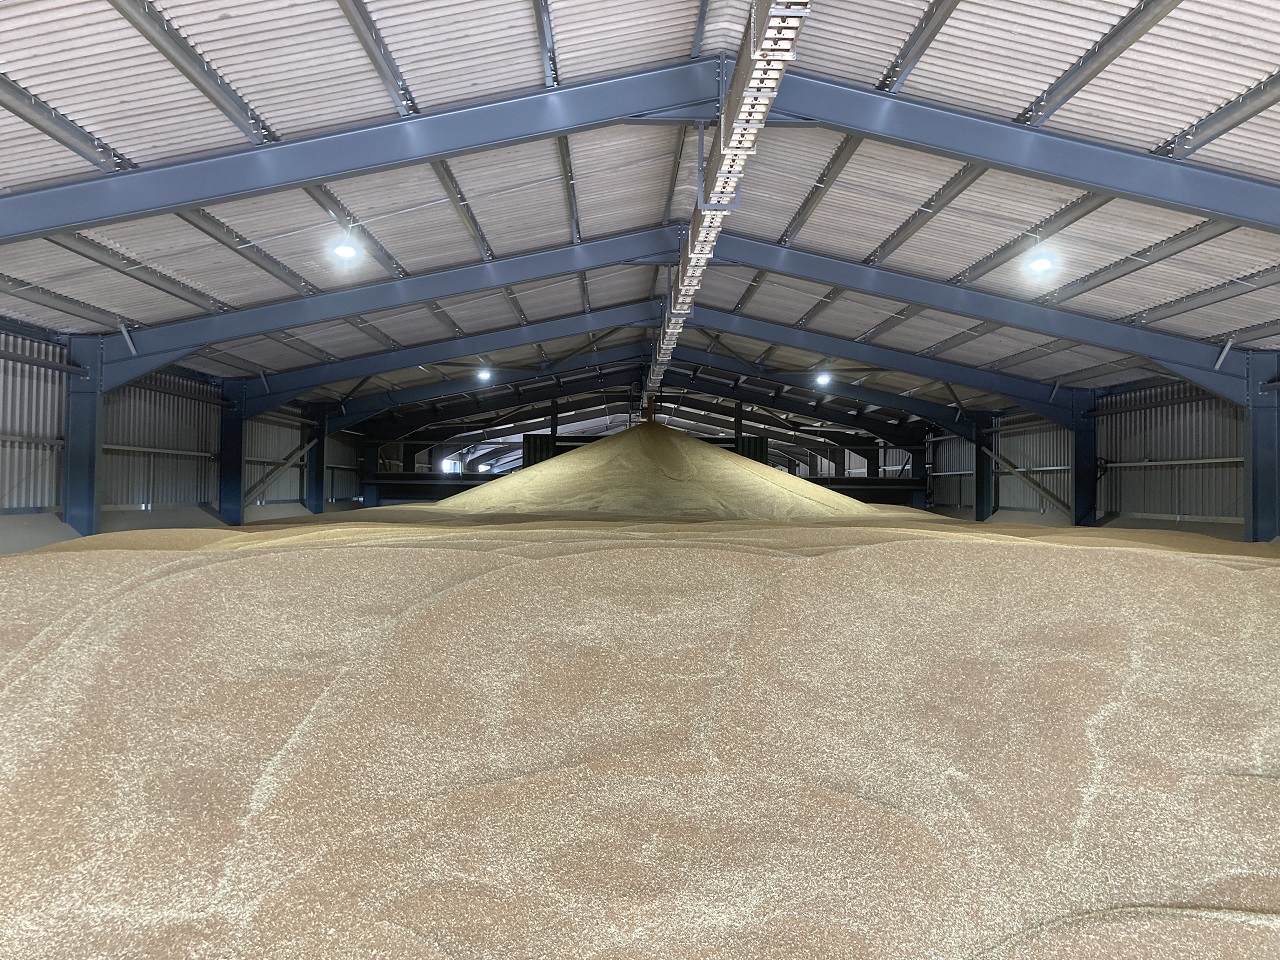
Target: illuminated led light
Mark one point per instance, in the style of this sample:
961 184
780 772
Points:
344 250
1041 265
484 374
824 379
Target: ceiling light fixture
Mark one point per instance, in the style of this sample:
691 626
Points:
824 379
1040 265
484 374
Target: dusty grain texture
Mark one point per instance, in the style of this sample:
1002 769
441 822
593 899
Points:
451 734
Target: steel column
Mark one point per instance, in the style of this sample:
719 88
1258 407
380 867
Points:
82 443
231 456
1262 448
1084 465
984 472
369 473
315 468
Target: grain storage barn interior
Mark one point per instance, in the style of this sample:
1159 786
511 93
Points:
583 478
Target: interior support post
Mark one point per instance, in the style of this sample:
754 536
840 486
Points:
83 442
231 455
313 497
1084 461
1262 448
984 471
369 473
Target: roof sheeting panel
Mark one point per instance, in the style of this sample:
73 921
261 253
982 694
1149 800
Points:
784 299
1115 231
998 56
298 64
994 346
1204 53
181 251
518 196
1061 363
881 186
295 230
996 209
610 286
785 168
924 330
475 51
555 297
411 325
31 158
42 316
1238 313
270 354
411 215
86 61
478 312
621 174
338 338
725 22
722 287
686 188
1250 148
598 37
853 314
856 42
44 265
1233 255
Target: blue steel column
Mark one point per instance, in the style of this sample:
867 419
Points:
1262 448
231 455
1084 461
984 474
314 473
83 447
369 473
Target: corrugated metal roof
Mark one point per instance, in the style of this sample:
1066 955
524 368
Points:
724 24
610 286
723 286
997 56
879 188
41 263
42 316
338 338
270 53
410 214
621 175
1233 255
411 325
1059 364
787 164
994 346
1109 234
924 330
853 314
517 195
455 53
554 297
996 209
784 299
856 42
31 158
1237 313
1249 148
686 190
477 312
598 37
86 61
1204 53
271 354
295 230
178 250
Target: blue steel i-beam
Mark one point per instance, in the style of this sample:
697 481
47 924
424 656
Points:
984 472
231 455
1262 448
369 474
314 470
1084 461
83 446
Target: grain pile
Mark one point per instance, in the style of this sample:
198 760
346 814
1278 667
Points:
418 733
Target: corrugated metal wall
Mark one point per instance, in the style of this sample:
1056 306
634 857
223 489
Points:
1041 451
160 443
31 416
268 441
1173 453
342 467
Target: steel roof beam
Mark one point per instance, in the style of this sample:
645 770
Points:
1226 118
1034 152
164 36
913 50
963 179
368 149
22 290
168 343
1166 349
58 128
291 384
379 55
114 260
